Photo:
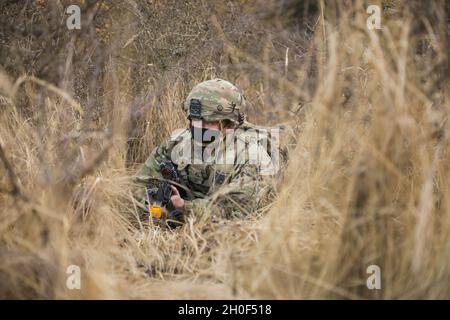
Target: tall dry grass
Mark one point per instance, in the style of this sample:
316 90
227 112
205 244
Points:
367 181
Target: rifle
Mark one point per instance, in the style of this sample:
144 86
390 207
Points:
160 198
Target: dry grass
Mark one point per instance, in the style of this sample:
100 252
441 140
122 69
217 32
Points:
367 181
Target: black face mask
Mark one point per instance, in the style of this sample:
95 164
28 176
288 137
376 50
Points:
204 136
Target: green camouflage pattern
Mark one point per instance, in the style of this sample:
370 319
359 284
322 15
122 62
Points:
220 100
238 195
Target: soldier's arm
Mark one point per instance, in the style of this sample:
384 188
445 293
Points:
240 196
150 170
149 173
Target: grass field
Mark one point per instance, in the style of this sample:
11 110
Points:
368 178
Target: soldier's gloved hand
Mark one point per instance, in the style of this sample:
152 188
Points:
177 200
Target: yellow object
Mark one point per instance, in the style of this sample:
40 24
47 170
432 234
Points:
156 211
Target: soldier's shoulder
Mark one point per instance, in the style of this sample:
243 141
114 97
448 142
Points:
180 134
252 137
246 135
176 137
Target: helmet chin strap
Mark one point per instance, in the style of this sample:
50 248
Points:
241 118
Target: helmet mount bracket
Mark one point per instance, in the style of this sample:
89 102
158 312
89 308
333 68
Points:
195 109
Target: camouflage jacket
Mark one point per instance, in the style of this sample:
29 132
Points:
227 183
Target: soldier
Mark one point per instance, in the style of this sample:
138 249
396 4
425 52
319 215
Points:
215 164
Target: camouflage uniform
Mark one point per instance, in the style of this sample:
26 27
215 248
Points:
230 188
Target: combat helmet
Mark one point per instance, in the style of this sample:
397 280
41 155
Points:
215 100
